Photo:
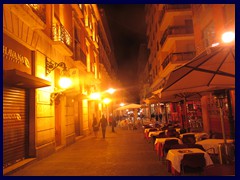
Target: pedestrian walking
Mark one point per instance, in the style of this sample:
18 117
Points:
103 123
113 123
95 126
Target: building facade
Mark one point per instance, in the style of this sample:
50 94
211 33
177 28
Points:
40 42
171 43
176 34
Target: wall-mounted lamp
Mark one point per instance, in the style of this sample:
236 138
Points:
64 81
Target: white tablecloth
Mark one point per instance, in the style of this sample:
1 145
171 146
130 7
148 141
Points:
175 157
162 140
212 143
154 133
198 135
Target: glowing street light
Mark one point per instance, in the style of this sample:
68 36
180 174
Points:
106 100
122 104
65 82
228 37
111 90
95 96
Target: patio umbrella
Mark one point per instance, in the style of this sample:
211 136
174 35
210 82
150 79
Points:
129 106
214 69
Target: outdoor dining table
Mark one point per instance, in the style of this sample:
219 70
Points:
198 135
174 157
147 131
159 143
211 145
154 133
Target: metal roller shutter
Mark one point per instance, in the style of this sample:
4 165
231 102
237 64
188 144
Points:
15 125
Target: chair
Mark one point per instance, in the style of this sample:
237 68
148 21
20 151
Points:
199 146
168 144
179 146
216 135
160 135
193 163
189 139
183 131
172 133
153 129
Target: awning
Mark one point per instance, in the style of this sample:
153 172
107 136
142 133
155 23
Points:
21 79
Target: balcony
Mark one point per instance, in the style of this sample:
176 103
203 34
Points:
173 33
169 11
62 39
31 14
175 59
79 9
88 25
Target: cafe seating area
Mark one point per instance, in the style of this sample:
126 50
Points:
191 153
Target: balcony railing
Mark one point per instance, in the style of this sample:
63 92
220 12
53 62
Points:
39 10
175 30
60 34
178 57
172 7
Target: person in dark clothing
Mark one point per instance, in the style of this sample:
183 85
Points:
103 123
113 123
95 126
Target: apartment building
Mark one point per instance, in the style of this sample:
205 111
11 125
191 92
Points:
40 43
176 34
171 43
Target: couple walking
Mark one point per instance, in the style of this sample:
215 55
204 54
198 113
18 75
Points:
103 123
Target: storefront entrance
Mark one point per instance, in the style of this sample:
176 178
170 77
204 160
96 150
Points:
15 125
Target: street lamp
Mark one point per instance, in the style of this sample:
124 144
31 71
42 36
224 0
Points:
95 96
228 37
111 90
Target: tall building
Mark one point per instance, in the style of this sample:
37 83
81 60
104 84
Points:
176 34
41 44
171 43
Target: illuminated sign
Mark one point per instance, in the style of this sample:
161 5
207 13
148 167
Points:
15 57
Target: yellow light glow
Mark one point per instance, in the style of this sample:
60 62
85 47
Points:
122 104
106 101
215 44
65 82
111 90
228 37
95 96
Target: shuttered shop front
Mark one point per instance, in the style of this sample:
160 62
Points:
15 125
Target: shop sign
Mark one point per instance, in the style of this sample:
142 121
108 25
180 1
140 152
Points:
11 55
16 55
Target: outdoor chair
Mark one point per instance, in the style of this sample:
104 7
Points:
172 132
189 139
193 163
160 135
168 144
198 146
216 136
183 131
179 146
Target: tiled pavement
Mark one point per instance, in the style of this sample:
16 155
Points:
123 153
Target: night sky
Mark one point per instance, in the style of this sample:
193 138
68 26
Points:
127 26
